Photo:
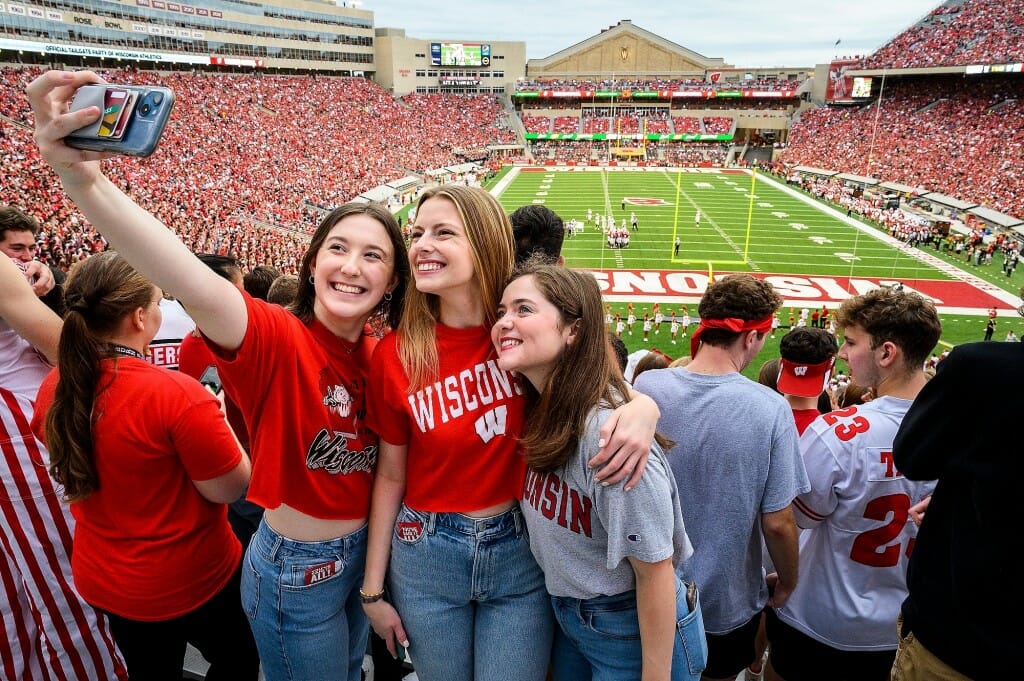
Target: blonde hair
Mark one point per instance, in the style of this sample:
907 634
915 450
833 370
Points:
492 249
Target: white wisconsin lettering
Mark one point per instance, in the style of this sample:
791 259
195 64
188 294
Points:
831 288
793 287
644 282
471 402
800 371
483 386
451 391
424 415
687 282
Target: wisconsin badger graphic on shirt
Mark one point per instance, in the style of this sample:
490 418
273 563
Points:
461 428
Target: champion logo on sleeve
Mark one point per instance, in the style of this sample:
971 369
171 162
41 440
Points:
634 538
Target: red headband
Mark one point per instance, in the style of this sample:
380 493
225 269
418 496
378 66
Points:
762 326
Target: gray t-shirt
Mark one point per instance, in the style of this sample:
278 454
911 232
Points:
737 458
582 532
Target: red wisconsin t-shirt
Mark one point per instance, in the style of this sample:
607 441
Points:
462 430
147 545
302 395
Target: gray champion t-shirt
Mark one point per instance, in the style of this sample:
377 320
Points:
582 532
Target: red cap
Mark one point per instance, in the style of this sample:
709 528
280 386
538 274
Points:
804 380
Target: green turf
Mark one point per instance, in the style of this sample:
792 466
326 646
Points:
767 231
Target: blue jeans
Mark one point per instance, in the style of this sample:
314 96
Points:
471 597
598 639
302 600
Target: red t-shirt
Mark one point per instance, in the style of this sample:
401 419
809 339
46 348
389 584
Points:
462 430
302 395
147 545
194 358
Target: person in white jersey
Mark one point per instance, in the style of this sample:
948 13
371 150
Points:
858 534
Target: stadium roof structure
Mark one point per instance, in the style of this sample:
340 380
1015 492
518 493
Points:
858 179
464 168
995 217
404 184
380 194
808 170
947 201
625 50
903 188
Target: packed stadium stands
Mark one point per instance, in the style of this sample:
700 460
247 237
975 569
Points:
254 160
257 159
945 134
958 34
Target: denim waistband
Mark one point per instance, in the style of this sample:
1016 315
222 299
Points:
271 543
509 522
584 605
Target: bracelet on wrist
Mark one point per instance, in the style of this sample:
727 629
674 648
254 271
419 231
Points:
370 598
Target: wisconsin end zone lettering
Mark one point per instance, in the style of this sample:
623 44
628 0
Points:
687 286
165 355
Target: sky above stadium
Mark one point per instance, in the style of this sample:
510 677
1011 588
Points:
745 33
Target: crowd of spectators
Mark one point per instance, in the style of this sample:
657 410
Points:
717 125
956 136
249 163
974 32
536 123
595 122
686 125
565 124
559 85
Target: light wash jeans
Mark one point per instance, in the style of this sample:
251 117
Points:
598 639
471 597
302 600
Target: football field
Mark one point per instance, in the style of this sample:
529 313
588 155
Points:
812 253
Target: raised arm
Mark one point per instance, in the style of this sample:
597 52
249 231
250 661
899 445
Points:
214 303
25 313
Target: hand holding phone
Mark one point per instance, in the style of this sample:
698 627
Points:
133 118
211 380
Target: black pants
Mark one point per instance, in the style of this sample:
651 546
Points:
155 651
385 667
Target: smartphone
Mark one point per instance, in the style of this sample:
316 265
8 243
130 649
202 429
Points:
133 120
211 380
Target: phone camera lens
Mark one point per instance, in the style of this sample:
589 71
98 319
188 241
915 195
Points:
145 108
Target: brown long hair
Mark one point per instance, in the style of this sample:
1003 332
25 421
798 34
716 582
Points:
100 291
388 312
493 251
585 375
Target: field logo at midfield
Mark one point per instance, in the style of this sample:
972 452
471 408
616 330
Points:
644 201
